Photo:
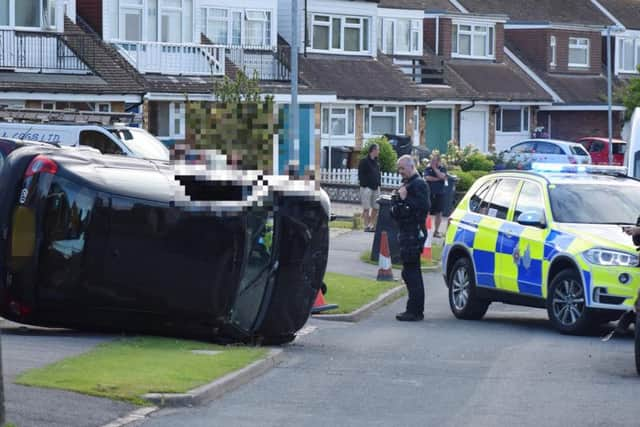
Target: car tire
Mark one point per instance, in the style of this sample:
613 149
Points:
278 339
637 343
566 304
463 300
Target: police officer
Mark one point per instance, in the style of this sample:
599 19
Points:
409 208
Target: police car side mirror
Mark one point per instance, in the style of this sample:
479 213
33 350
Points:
532 219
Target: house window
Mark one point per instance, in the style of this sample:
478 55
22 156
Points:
28 13
177 120
102 107
166 20
552 45
399 36
131 20
578 52
473 41
48 106
629 55
339 120
380 120
512 119
340 33
237 27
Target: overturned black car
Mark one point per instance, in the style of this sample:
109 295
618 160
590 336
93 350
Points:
108 242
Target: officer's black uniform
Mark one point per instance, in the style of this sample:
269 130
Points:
410 214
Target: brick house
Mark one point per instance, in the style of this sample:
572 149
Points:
49 61
560 45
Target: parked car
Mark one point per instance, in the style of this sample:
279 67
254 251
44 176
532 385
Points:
547 151
112 139
102 241
598 148
546 238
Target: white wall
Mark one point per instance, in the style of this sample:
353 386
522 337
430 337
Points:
71 9
284 18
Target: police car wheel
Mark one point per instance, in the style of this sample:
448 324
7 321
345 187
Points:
566 304
638 343
462 296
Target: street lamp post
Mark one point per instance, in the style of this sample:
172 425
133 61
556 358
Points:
294 130
610 29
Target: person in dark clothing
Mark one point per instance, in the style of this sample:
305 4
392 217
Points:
369 178
436 175
410 205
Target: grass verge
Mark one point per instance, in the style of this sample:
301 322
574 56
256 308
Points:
351 293
341 224
436 252
129 368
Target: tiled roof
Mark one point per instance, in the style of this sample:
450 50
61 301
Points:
427 5
112 74
494 81
358 77
626 11
581 12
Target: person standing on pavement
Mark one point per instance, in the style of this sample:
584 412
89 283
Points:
409 208
436 176
369 178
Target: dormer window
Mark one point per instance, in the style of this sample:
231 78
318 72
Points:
237 27
167 21
629 55
578 52
473 41
339 33
27 13
400 36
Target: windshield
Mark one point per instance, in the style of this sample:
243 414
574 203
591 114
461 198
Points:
142 143
595 204
578 150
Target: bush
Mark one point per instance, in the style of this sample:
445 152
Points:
465 181
477 174
469 158
476 161
388 157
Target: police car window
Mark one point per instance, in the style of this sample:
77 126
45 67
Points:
546 148
595 203
529 199
499 206
483 194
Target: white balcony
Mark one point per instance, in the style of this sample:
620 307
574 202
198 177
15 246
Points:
173 58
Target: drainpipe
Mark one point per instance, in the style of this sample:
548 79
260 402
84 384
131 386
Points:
306 28
437 35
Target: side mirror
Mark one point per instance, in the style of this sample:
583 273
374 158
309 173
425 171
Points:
532 219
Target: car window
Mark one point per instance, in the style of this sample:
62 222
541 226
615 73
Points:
100 142
480 199
142 143
547 148
596 147
525 147
619 148
595 203
577 150
529 199
501 200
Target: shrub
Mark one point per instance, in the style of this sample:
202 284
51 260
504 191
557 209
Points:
476 161
465 181
388 157
477 174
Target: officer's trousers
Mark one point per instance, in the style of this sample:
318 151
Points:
412 276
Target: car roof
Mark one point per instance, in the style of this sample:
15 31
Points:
602 139
569 178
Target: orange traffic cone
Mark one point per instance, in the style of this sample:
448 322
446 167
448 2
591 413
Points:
385 273
426 250
320 305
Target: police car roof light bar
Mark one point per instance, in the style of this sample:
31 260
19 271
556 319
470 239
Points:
578 169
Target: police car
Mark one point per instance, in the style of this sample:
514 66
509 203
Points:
550 238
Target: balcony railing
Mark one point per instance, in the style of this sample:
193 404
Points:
173 58
46 52
265 63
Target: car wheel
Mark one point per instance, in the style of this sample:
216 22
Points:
566 304
462 292
638 343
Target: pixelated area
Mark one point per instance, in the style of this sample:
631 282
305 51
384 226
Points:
244 131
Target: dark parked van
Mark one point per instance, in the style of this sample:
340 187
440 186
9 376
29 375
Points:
98 241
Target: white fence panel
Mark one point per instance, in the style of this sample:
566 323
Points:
350 177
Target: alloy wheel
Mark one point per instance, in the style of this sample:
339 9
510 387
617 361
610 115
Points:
568 302
460 288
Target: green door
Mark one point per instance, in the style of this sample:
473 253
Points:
438 128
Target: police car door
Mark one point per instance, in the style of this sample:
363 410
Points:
505 235
523 243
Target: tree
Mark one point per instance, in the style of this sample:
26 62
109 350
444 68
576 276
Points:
630 95
387 157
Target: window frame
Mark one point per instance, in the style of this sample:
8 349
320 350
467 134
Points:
574 43
231 13
525 112
540 189
489 43
414 30
185 11
635 43
326 121
399 115
364 26
553 45
12 18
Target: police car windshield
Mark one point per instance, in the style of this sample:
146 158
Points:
595 204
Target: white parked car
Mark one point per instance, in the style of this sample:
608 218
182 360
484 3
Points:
548 151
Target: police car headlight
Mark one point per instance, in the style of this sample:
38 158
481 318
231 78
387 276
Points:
609 257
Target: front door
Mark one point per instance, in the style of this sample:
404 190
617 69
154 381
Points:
438 129
473 129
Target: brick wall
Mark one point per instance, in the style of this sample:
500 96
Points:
499 42
446 33
571 125
534 44
91 11
429 33
595 51
359 127
492 127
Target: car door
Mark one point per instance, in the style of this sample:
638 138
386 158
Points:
505 235
479 231
522 152
523 246
547 152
